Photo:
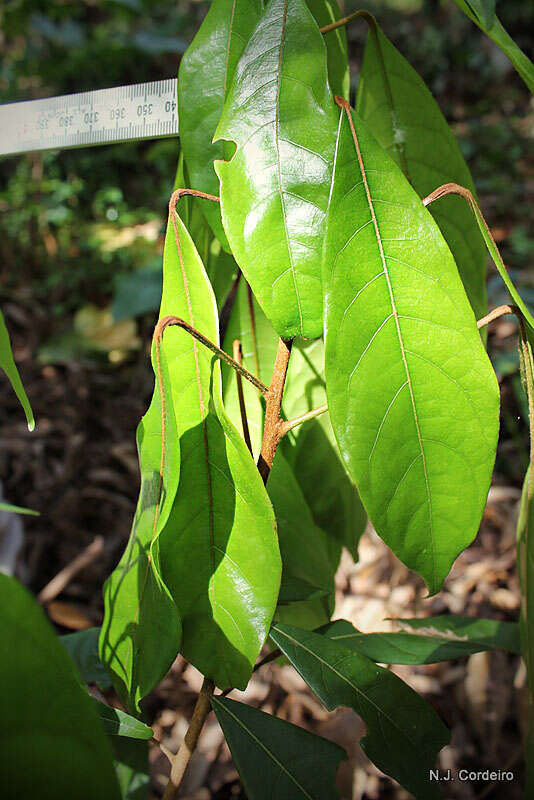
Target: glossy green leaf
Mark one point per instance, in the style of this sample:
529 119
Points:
131 766
274 190
326 12
500 36
304 547
412 396
404 733
191 211
219 549
399 110
275 758
439 639
11 509
45 712
259 344
205 74
314 455
141 632
7 363
82 647
118 723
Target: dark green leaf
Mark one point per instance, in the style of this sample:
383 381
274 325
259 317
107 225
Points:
438 640
136 293
131 766
399 110
222 272
275 758
82 647
205 74
295 590
219 550
484 10
325 12
117 723
420 445
46 712
404 733
7 363
274 190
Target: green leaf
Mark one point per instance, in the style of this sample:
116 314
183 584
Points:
222 272
117 723
441 639
304 547
397 107
82 647
141 632
259 344
18 510
45 712
484 10
404 733
314 455
501 37
136 293
412 396
325 12
274 190
219 550
205 74
131 766
7 363
191 209
295 590
275 758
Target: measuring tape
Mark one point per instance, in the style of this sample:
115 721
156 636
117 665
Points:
121 114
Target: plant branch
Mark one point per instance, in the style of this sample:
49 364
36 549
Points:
366 15
288 425
273 424
500 311
238 356
164 322
180 761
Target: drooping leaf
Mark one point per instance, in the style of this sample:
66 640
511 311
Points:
45 712
420 444
404 733
442 641
314 455
259 344
205 74
397 107
274 190
82 647
479 11
275 758
117 723
11 509
131 766
141 632
326 12
7 363
305 550
219 550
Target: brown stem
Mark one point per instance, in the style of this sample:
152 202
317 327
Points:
238 357
64 577
500 311
180 761
179 193
273 424
171 320
287 426
366 15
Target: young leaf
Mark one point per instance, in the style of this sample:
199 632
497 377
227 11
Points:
219 550
326 12
82 647
45 712
274 190
275 758
205 74
413 399
117 723
314 455
460 637
404 733
496 32
141 632
7 363
397 107
131 766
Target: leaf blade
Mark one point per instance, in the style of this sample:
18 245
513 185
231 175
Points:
7 363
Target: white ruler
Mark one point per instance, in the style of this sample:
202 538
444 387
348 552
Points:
121 114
